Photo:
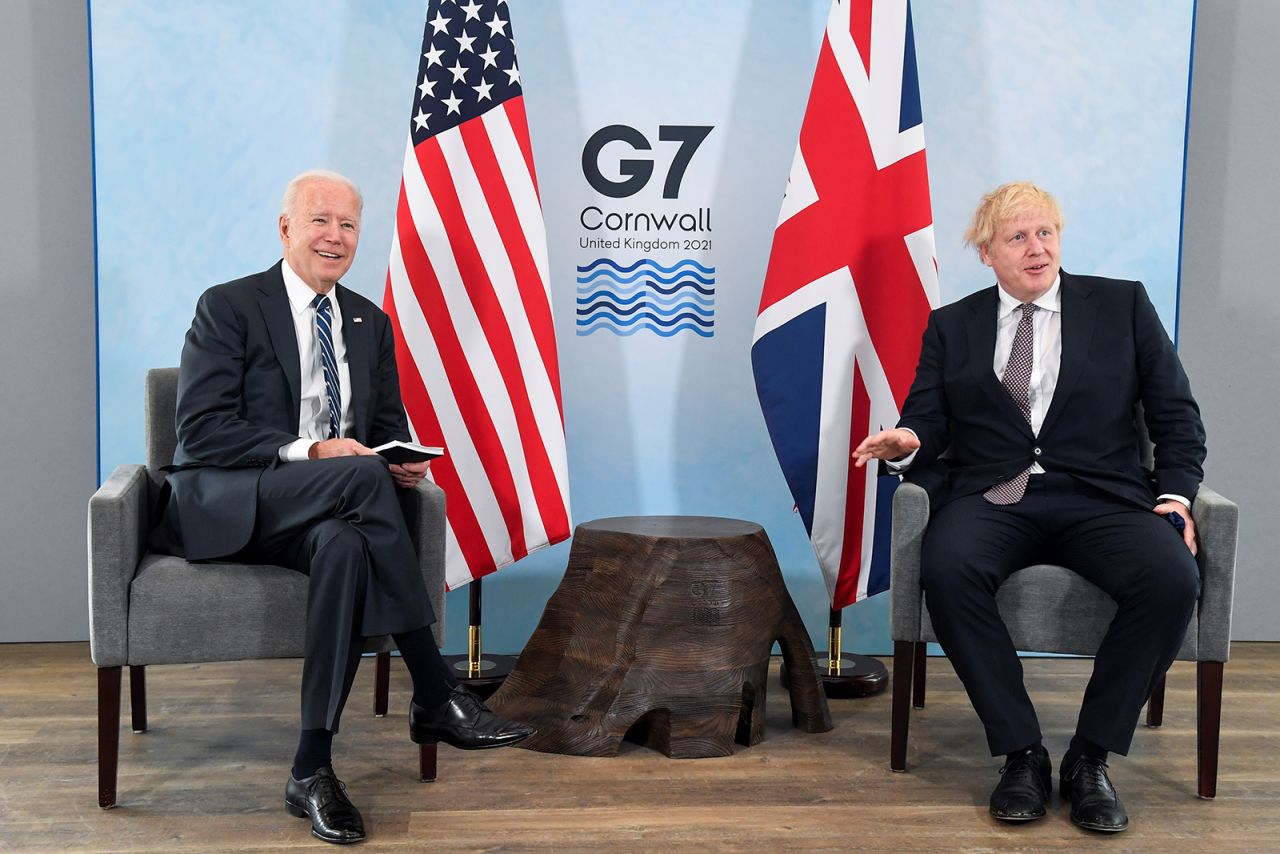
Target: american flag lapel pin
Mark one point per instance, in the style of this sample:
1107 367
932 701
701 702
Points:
357 320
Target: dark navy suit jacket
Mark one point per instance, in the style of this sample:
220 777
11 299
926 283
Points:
239 388
1115 354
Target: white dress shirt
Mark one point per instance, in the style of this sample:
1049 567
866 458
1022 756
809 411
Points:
313 409
1046 357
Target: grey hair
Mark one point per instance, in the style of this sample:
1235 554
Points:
288 204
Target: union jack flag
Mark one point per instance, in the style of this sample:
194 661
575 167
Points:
467 290
852 277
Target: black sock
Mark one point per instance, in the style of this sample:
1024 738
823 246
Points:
1037 748
1081 746
432 678
315 748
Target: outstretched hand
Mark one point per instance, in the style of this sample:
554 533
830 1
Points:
885 445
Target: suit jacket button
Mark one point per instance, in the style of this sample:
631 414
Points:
1036 451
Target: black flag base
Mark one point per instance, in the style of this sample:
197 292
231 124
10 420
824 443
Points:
854 675
484 680
845 675
480 673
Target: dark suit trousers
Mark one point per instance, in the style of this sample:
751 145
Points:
339 521
1132 554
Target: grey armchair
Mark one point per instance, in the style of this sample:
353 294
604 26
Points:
1051 609
147 608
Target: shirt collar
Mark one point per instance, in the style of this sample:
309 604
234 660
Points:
299 292
1050 300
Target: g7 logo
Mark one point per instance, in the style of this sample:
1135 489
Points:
637 172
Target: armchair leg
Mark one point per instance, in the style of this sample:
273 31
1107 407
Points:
903 657
381 683
918 673
1155 705
1208 725
108 734
427 762
138 696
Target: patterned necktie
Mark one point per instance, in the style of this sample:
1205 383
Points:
329 363
1017 381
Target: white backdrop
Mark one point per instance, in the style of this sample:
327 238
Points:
204 108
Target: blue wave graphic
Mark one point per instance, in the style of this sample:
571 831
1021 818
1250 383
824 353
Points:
626 299
605 305
609 262
665 333
666 280
707 291
705 302
648 315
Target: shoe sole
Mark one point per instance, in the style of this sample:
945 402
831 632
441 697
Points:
1100 828
430 741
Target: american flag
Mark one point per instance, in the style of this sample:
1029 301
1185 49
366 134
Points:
467 290
852 277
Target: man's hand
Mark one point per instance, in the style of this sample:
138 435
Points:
1188 532
338 448
410 475
885 445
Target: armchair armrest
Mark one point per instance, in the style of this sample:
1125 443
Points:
424 514
119 521
1217 523
910 518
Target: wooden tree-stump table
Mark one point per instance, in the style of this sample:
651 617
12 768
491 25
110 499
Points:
661 632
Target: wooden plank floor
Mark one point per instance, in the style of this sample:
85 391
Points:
209 774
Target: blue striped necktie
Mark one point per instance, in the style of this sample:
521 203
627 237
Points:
328 363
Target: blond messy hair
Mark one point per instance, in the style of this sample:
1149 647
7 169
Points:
1002 204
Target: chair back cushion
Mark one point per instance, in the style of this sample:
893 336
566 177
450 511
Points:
1051 609
160 415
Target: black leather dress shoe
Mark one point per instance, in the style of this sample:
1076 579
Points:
322 797
1023 790
463 721
1094 802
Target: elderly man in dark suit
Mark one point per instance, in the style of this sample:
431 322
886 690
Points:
287 378
1020 423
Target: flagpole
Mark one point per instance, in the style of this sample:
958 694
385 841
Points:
481 674
845 674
